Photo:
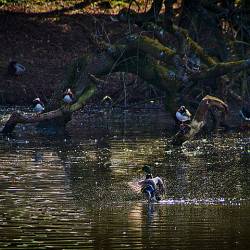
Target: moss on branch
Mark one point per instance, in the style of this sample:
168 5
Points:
151 47
184 39
221 69
197 49
88 92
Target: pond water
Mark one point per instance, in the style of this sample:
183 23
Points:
71 191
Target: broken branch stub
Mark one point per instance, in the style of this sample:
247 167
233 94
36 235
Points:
199 119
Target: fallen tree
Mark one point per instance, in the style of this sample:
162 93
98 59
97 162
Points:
155 63
58 117
165 56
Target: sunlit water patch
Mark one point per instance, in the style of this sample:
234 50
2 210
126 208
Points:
74 191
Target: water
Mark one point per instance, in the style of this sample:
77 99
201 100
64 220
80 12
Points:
72 191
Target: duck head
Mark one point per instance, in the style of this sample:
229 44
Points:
37 100
182 109
68 92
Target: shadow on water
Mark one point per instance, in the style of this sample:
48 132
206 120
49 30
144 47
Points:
70 191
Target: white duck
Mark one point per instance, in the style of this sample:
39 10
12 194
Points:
38 106
183 114
68 96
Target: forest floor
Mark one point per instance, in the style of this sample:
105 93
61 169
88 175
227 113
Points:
46 46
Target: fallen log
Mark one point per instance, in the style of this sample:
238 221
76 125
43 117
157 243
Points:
59 117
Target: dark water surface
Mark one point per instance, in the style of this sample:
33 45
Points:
71 191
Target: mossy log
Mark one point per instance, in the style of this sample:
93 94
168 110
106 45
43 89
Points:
196 48
220 69
153 62
150 47
63 114
184 41
199 119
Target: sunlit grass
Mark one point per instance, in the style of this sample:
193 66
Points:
46 5
38 5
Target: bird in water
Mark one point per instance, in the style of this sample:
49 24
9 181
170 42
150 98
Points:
68 96
152 188
38 106
15 68
183 114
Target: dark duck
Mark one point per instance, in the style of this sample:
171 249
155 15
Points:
38 106
15 68
68 96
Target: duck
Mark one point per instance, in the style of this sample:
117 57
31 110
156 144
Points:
15 68
68 96
107 101
245 113
183 114
38 106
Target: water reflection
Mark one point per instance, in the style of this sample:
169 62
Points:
71 191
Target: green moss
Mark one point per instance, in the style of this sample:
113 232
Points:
196 47
87 93
222 69
151 47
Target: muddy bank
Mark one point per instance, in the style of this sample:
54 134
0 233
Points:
46 47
